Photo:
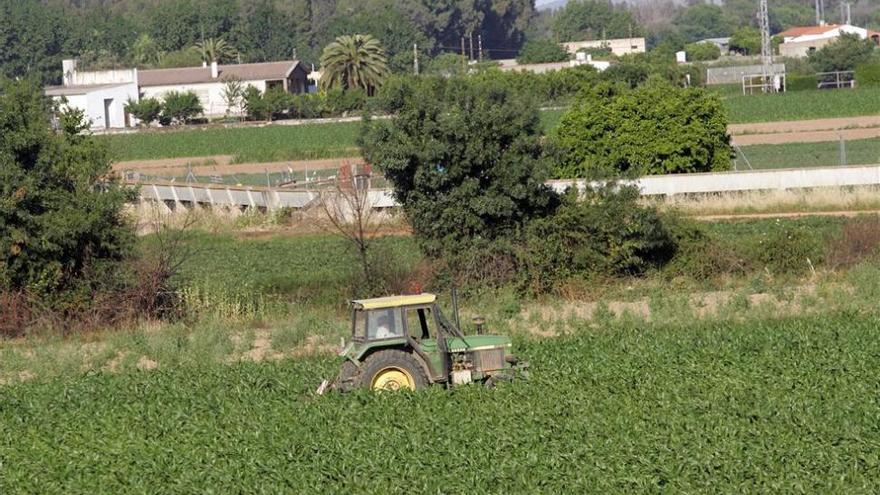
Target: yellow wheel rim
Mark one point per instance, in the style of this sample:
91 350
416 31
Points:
393 379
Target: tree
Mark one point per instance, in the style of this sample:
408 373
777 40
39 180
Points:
701 52
465 161
233 93
845 53
592 19
541 51
63 229
32 39
746 40
703 21
145 52
216 50
147 110
181 107
185 57
656 128
356 61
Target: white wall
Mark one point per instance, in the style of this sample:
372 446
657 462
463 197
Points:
210 94
620 46
92 103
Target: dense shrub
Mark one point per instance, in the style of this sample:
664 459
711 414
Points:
868 75
699 255
337 102
656 128
701 52
858 241
786 249
63 232
846 53
147 110
180 107
800 83
467 165
542 51
605 232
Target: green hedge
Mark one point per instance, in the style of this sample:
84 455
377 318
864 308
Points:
868 75
800 83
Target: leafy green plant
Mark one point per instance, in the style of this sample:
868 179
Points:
147 110
542 51
181 107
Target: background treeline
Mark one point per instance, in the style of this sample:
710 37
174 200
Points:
35 36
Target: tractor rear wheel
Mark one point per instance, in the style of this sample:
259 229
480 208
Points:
392 370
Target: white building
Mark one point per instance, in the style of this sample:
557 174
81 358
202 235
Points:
581 59
102 95
620 46
801 41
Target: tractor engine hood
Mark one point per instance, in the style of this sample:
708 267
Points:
477 342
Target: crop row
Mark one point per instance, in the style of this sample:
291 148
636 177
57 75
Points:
775 406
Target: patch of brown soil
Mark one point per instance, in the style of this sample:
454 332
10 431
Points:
113 365
804 125
146 364
805 137
222 165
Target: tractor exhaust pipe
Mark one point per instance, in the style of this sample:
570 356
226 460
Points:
455 309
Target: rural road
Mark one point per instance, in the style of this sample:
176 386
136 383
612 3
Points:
222 165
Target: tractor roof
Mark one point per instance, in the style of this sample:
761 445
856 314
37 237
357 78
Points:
394 301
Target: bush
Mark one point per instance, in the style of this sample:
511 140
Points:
698 254
787 250
746 41
701 52
607 232
541 51
147 110
868 75
465 161
611 131
339 102
846 53
63 229
306 106
800 83
859 240
180 107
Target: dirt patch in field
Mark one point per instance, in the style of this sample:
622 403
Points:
794 126
222 165
805 137
146 364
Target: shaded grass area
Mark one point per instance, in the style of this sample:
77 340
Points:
803 105
786 405
246 144
800 155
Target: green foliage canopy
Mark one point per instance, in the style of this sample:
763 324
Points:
62 228
656 128
465 160
541 51
845 53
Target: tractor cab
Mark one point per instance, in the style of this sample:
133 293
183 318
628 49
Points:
406 342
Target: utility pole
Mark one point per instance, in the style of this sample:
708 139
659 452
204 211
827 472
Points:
848 13
471 36
416 58
463 56
820 12
767 73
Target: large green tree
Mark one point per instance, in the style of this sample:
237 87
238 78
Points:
593 19
356 61
656 128
62 226
465 160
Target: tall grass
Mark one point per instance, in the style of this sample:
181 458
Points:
803 105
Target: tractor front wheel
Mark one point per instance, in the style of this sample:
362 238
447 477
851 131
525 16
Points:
392 370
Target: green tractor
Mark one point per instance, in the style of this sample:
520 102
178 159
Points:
404 342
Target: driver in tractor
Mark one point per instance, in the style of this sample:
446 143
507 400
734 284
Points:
384 328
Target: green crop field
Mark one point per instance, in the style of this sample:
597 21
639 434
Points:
778 406
799 155
247 144
803 105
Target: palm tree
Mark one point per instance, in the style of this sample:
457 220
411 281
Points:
217 50
356 61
